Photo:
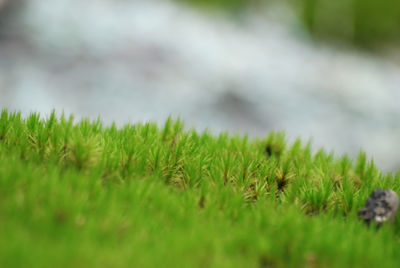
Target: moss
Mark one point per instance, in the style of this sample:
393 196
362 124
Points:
368 24
80 193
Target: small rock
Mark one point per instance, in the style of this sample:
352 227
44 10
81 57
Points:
380 207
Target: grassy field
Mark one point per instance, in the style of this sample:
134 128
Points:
85 195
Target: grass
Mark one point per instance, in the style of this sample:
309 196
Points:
86 195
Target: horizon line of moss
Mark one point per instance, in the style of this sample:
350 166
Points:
260 169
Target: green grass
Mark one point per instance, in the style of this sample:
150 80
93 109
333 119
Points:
86 195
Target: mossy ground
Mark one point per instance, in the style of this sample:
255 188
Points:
86 195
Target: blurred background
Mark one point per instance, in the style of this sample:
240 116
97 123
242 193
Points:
317 69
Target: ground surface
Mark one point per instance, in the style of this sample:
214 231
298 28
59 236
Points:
80 194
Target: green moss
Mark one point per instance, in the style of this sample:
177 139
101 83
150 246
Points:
368 24
84 194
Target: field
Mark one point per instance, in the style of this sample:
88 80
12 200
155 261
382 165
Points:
80 194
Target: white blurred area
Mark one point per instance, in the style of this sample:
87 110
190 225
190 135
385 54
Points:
129 61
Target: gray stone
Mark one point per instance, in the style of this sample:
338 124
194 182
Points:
380 207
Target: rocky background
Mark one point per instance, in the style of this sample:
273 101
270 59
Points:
129 61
